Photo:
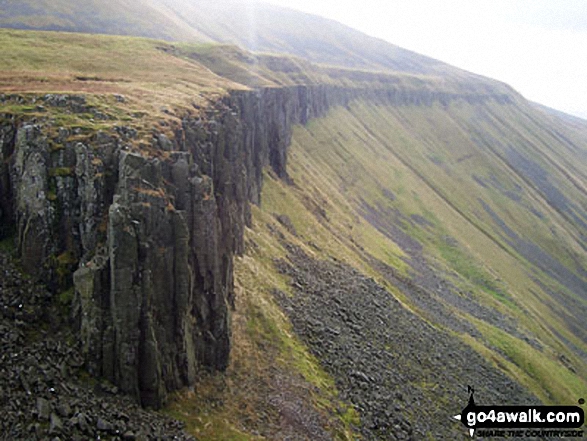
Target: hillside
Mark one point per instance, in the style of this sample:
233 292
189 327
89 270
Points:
252 25
271 249
101 17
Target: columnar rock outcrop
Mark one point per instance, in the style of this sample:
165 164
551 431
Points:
148 240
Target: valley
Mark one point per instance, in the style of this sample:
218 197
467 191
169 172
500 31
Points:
265 247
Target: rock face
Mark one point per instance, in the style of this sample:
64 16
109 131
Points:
148 239
44 397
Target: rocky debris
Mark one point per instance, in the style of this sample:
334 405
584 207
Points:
404 377
77 103
151 240
426 287
66 103
148 243
125 132
45 394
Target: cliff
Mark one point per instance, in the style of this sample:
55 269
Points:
146 237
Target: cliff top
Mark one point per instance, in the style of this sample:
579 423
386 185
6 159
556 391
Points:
158 79
145 70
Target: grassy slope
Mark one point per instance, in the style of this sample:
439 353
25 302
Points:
158 85
162 81
156 73
425 157
126 17
250 24
141 68
267 28
439 163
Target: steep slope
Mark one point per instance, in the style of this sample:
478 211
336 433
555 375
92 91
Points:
516 265
353 203
252 25
449 208
146 19
399 192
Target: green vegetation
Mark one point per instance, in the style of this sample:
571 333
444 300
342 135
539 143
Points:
61 172
145 71
460 186
275 29
66 297
267 359
375 161
469 270
547 377
110 17
159 79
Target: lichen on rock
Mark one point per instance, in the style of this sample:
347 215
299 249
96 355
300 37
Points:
147 237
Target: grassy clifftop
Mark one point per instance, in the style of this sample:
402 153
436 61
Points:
161 81
467 205
146 70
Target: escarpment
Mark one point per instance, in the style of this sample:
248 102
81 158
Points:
147 240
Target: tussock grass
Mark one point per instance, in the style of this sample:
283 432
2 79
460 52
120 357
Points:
539 371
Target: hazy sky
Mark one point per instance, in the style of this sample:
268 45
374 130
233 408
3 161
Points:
537 46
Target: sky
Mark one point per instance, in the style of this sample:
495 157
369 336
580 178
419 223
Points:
537 46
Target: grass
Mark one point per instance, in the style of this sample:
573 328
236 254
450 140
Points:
469 270
209 424
537 370
267 359
144 71
359 156
61 172
159 78
261 28
364 154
